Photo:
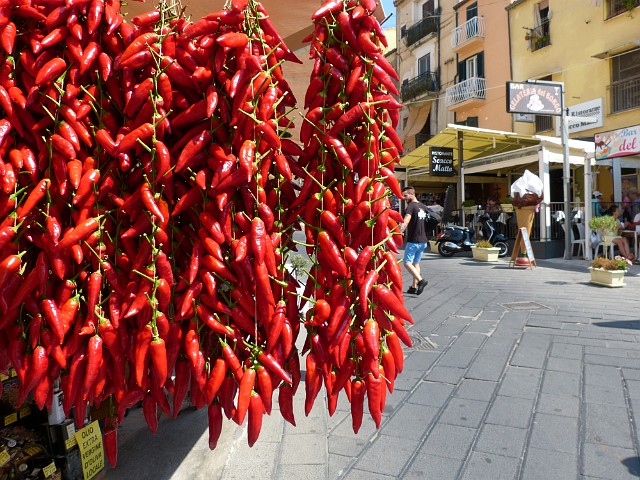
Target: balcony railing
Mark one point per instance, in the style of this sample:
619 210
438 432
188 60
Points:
466 90
425 83
625 95
421 29
618 7
473 28
539 36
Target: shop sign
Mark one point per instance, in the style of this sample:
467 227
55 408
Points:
91 452
617 143
441 162
537 98
592 108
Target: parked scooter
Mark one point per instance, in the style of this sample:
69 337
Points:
490 233
454 239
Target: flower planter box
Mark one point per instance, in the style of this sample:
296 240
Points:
485 254
470 210
607 278
506 207
433 246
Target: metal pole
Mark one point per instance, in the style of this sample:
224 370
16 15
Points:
566 180
461 193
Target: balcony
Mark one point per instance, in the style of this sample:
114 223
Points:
421 29
467 92
425 83
540 36
625 95
467 32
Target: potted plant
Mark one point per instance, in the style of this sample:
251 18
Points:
469 206
483 251
506 205
606 226
609 272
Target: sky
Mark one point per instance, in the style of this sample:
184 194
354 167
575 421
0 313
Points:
389 8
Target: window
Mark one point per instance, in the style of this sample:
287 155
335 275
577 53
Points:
471 67
541 32
469 122
424 64
428 8
472 11
618 7
544 123
625 85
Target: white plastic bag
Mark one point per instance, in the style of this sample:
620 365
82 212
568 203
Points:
527 183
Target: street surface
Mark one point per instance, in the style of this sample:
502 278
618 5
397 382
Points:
549 389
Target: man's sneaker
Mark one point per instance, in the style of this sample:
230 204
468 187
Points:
421 284
412 291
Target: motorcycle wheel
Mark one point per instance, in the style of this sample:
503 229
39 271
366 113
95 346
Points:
444 251
504 249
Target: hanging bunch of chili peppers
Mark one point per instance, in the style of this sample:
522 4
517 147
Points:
350 150
147 210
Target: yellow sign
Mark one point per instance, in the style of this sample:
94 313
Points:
4 457
49 470
25 412
9 419
91 453
70 442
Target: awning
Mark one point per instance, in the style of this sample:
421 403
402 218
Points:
477 142
417 118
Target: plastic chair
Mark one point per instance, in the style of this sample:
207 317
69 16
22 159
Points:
581 242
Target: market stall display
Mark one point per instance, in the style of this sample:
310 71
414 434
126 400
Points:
148 204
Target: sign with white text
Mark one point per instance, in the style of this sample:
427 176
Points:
617 143
441 162
537 98
592 108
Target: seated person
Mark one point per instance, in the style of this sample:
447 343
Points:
620 242
493 208
633 225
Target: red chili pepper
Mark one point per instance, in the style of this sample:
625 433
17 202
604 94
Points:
247 383
94 362
256 410
285 402
375 390
150 411
331 253
396 350
357 403
214 415
142 343
181 386
110 439
159 360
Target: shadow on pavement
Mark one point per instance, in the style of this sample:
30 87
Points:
633 465
165 452
628 324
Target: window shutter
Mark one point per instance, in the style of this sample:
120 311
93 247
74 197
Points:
480 67
462 71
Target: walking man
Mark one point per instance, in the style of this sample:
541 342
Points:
416 237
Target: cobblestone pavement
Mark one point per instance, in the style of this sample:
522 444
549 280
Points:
514 374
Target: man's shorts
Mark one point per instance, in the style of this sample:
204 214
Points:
413 252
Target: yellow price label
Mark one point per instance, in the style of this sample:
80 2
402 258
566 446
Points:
69 443
31 451
25 412
4 457
49 470
9 419
3 377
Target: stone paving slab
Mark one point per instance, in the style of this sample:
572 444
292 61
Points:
525 395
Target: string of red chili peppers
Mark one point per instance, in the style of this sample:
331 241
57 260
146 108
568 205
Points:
350 152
